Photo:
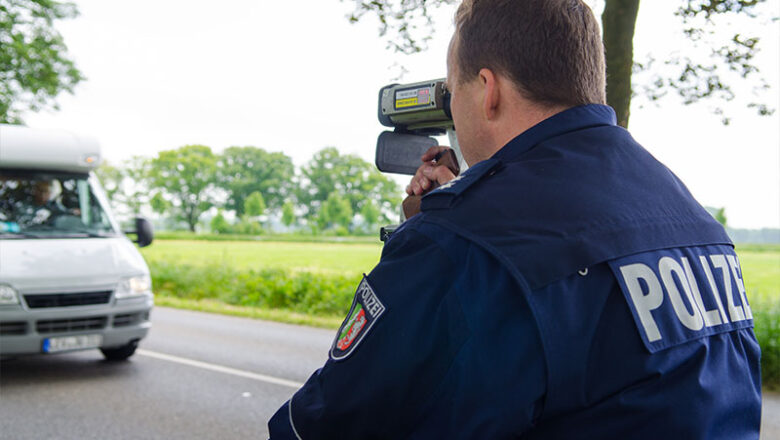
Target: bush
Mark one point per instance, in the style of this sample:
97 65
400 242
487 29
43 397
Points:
766 316
247 227
219 225
302 292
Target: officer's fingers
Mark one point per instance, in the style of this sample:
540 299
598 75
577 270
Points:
440 174
421 186
411 187
432 152
416 186
424 183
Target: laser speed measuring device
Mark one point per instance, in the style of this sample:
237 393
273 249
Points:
416 112
420 108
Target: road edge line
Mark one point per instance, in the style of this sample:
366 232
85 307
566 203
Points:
220 368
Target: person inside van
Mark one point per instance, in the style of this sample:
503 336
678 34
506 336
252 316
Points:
46 197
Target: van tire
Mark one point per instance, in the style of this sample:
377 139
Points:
120 353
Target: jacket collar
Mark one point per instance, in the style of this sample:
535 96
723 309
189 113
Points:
573 119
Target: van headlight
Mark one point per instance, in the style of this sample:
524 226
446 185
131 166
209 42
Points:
8 295
134 286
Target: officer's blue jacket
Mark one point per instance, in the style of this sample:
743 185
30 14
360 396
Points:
568 287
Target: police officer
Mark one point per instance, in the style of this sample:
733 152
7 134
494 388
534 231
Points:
567 285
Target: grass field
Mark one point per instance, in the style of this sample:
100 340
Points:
346 259
761 271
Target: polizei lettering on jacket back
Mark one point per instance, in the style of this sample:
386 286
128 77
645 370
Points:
677 295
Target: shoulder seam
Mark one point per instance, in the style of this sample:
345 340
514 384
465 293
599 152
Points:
413 228
519 278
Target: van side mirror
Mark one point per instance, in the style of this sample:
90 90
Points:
144 233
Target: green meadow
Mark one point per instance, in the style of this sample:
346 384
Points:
760 271
343 258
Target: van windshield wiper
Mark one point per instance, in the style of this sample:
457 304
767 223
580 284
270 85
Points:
48 231
93 234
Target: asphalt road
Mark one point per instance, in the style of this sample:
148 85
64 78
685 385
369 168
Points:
197 376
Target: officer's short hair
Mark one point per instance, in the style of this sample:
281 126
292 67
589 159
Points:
551 49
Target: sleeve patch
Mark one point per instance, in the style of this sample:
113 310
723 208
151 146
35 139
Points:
365 311
677 295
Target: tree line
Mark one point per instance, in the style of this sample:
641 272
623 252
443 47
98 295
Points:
248 185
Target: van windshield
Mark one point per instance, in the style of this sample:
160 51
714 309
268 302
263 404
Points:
50 205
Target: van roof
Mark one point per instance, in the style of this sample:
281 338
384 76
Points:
44 149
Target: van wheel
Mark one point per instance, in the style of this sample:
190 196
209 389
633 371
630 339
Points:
120 353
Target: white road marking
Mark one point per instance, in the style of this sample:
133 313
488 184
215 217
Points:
220 368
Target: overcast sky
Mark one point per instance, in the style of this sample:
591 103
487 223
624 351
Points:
295 76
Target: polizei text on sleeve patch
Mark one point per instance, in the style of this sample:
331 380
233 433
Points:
366 310
677 295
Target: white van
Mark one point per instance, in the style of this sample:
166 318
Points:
69 277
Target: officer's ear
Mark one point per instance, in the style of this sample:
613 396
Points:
491 95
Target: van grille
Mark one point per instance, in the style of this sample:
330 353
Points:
67 299
69 325
13 328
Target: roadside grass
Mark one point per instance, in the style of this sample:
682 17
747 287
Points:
298 238
279 315
761 273
340 258
766 318
312 283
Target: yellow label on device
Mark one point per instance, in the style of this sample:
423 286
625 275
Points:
412 98
408 102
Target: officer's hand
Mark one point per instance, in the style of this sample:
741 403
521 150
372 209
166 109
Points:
428 173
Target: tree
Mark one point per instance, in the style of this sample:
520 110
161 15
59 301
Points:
706 74
218 224
135 190
254 205
245 170
351 177
126 184
111 178
288 213
159 204
336 212
719 214
34 62
618 22
185 177
370 213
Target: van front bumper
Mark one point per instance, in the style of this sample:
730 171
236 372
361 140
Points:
23 331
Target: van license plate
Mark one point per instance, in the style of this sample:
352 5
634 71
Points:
66 343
